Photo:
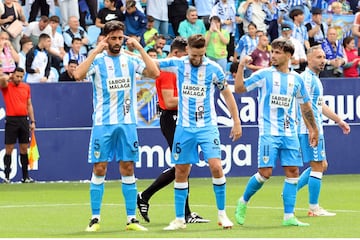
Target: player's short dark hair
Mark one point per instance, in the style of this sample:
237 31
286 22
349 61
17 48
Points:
179 43
283 44
113 26
151 50
196 41
19 69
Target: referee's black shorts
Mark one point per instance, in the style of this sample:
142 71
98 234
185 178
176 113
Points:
17 128
168 124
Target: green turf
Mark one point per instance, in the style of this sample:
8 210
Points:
61 210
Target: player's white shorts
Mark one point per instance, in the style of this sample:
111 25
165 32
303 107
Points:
271 148
108 142
309 153
187 140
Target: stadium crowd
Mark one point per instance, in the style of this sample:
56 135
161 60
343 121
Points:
235 30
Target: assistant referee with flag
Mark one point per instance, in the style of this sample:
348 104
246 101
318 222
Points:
19 111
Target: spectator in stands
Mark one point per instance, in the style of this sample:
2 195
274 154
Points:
9 12
334 55
38 61
159 46
204 9
68 8
36 5
351 68
158 9
260 56
246 45
8 55
177 14
135 21
25 45
226 11
129 48
299 32
85 7
151 33
57 44
298 59
107 13
256 11
316 29
68 75
356 29
192 25
74 30
74 53
35 29
152 53
217 39
336 8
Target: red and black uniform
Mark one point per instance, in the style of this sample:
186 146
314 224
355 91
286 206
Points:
16 99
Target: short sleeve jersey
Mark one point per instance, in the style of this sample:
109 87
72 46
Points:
114 90
314 88
277 92
166 80
196 87
16 99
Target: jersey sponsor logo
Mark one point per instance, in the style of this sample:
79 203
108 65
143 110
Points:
280 101
194 90
118 84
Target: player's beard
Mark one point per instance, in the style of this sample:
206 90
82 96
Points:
196 63
115 49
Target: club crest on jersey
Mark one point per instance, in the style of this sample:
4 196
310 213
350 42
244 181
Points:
176 156
266 159
97 154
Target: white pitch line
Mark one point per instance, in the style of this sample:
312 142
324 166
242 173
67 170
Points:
155 205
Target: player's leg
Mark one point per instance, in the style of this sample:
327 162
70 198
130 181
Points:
11 135
99 154
24 135
291 161
7 161
127 152
268 152
304 178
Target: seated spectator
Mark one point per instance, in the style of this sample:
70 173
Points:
9 12
151 33
74 53
35 29
38 61
57 44
192 25
261 55
158 46
298 59
8 55
68 75
316 28
108 13
334 55
25 46
216 41
299 32
135 21
152 53
74 30
351 68
129 48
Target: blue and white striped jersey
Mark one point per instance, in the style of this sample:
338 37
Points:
196 87
276 100
314 88
114 90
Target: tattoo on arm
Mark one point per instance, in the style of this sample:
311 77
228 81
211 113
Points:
309 117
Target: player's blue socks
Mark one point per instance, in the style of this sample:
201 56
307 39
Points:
314 187
129 192
96 193
289 194
219 186
253 185
181 192
304 178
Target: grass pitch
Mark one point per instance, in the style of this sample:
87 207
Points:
61 210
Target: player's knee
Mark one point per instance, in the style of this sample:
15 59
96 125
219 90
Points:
99 169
